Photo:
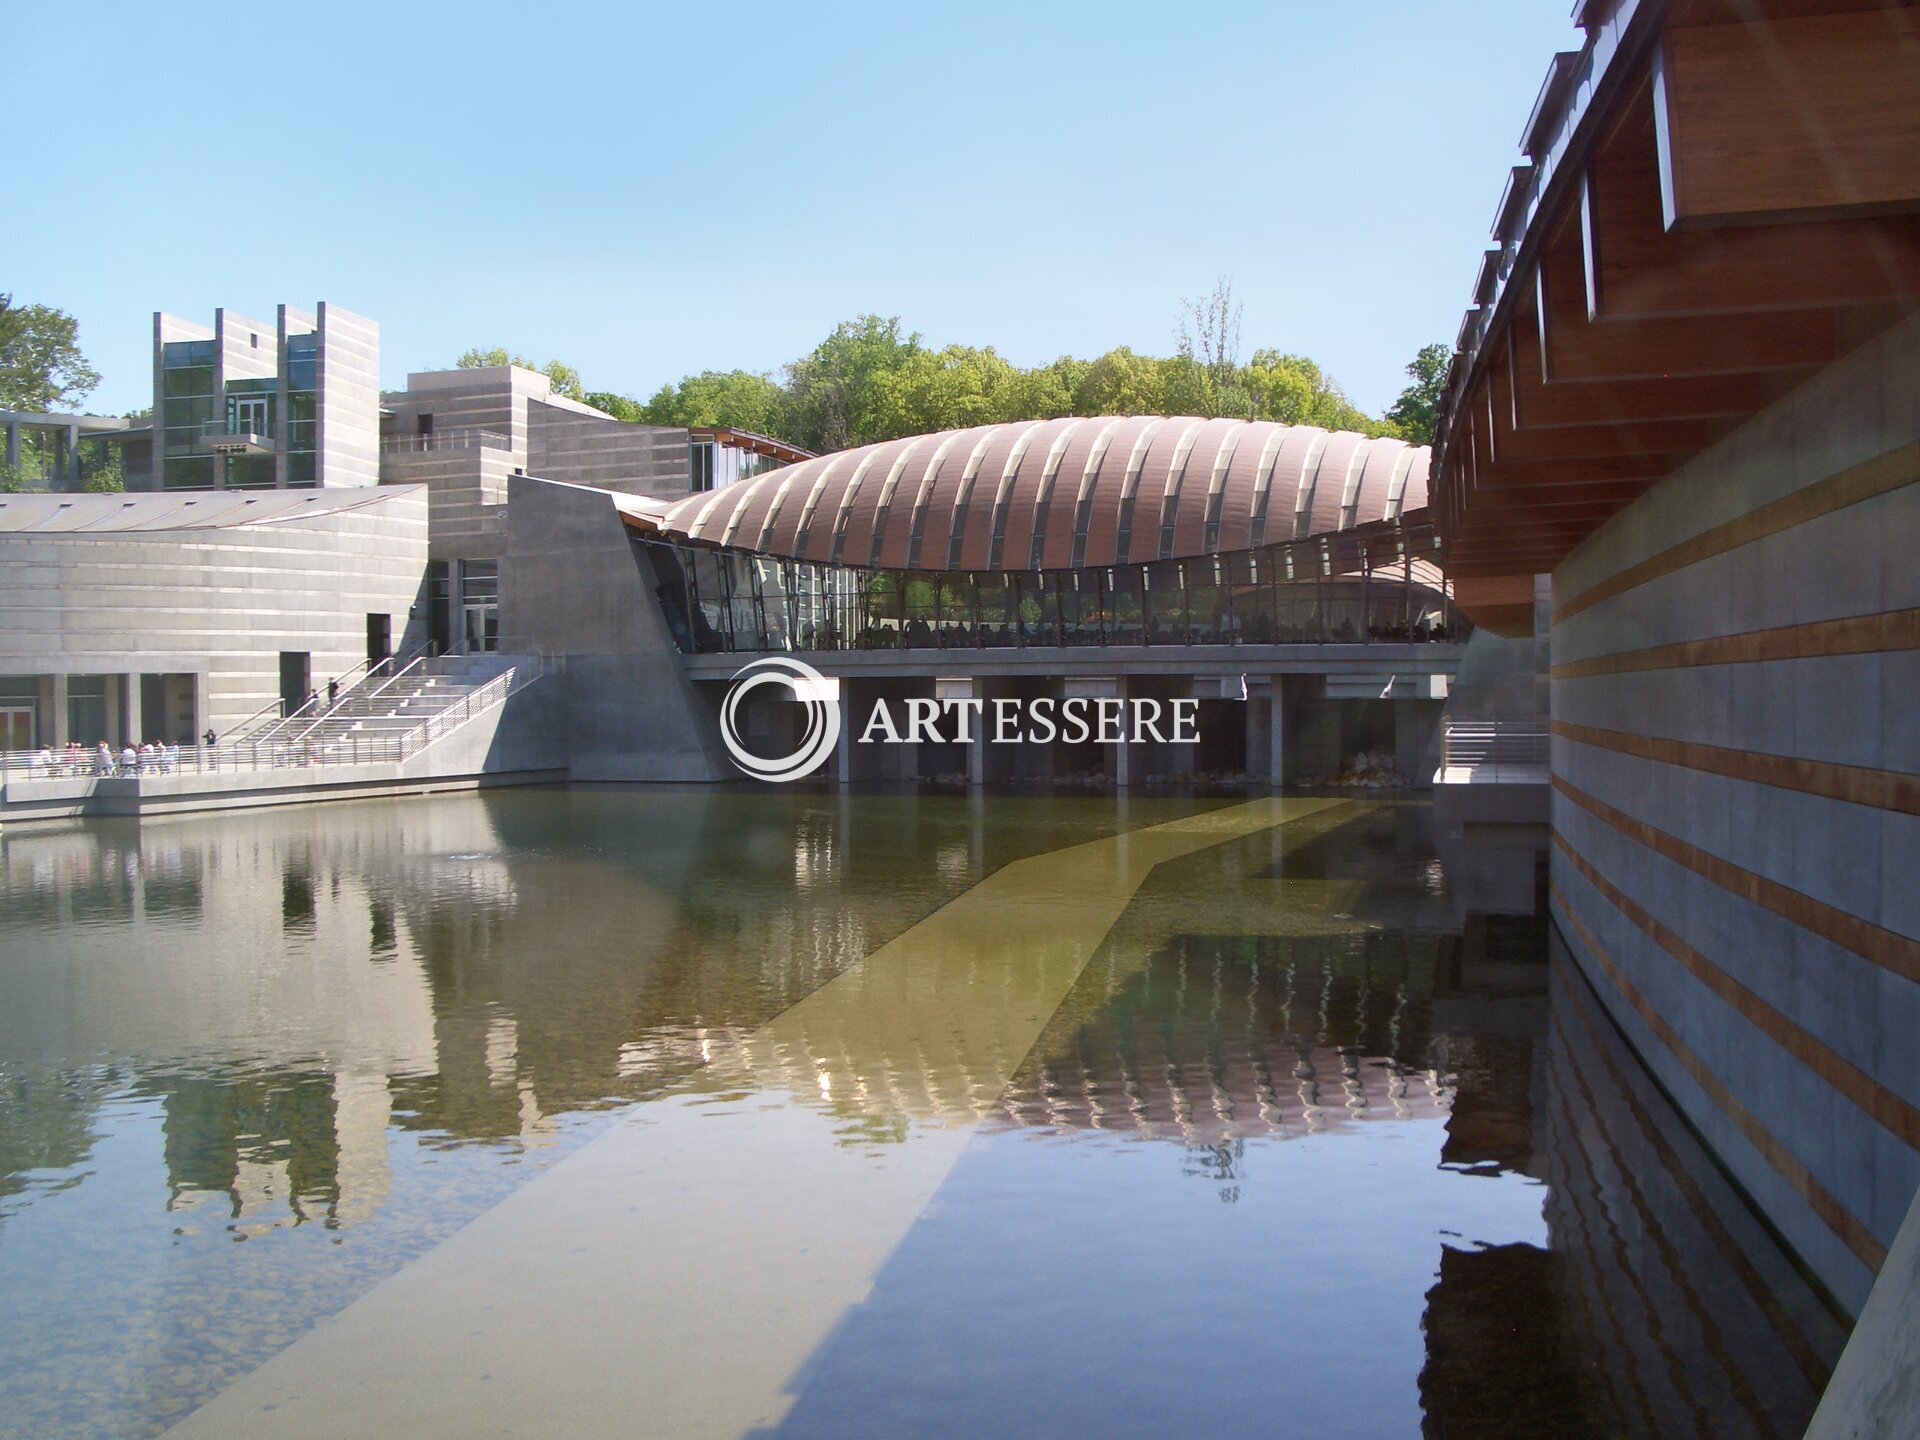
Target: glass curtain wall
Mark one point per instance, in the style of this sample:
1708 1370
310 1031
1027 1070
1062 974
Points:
717 601
303 411
186 404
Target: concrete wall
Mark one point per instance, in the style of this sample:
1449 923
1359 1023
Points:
572 585
584 447
1736 821
219 603
528 430
466 490
349 447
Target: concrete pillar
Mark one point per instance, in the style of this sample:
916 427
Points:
843 747
977 737
13 444
1277 734
59 727
1119 758
71 466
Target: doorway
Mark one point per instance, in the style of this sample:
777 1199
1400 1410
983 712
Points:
379 639
296 679
16 727
482 629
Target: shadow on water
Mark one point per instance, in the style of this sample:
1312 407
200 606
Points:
1330 1174
1294 1156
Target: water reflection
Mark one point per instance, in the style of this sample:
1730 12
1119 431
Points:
251 1064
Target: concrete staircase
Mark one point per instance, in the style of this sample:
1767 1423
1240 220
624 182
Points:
380 712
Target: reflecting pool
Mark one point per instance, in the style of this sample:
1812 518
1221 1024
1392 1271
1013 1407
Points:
725 1113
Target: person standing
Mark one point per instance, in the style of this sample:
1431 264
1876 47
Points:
333 692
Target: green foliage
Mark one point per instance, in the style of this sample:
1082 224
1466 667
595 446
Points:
566 379
1419 404
106 477
12 482
872 380
736 398
41 367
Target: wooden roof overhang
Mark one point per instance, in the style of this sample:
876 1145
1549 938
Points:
1720 199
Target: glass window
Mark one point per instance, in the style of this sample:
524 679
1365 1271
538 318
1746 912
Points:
700 465
87 709
176 354
180 384
303 362
189 472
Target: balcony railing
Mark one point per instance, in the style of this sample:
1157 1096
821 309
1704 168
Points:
280 752
459 437
224 437
1482 750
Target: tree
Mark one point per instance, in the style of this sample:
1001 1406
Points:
1120 383
566 379
620 407
833 393
1419 404
41 367
870 380
737 399
1208 339
106 477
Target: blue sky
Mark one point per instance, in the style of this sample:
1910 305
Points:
646 192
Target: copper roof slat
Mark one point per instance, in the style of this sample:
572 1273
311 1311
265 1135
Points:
787 539
910 501
1033 488
995 475
1330 482
878 509
1125 456
749 511
1206 474
1252 467
1079 473
956 475
853 525
1376 477
1170 450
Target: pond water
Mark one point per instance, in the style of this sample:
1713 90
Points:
724 1112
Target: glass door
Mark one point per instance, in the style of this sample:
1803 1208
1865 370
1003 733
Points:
483 626
250 416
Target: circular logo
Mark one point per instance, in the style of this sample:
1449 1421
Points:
817 740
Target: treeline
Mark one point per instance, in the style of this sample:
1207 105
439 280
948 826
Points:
870 381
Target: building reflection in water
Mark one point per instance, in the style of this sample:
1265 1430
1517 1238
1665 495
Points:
369 1020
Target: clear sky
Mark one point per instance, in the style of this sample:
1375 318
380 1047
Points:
643 192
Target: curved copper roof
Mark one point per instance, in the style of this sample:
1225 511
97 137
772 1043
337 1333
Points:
1056 494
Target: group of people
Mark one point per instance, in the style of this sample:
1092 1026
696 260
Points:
151 757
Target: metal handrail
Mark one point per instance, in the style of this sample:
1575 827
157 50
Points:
473 703
282 753
277 704
460 437
419 652
313 699
1495 745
